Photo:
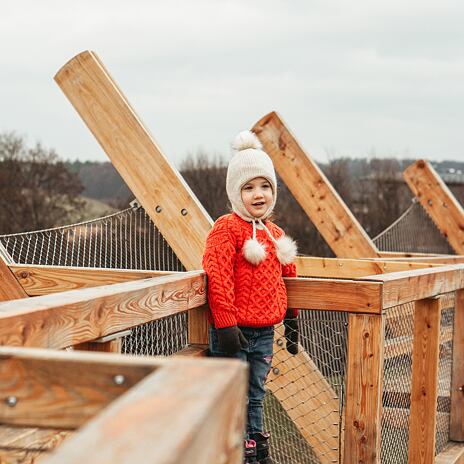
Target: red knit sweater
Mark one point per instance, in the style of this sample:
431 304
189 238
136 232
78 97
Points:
240 293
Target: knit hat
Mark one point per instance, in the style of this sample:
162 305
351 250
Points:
248 162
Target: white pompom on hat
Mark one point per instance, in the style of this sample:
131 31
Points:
248 161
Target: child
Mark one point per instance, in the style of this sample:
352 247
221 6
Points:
245 258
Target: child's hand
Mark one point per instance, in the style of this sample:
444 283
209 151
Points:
231 340
292 334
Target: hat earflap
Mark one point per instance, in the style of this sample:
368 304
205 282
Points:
285 249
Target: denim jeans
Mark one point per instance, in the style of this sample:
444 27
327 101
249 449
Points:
259 357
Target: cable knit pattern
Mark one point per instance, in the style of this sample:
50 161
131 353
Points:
239 292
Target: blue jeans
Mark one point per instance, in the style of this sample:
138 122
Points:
259 357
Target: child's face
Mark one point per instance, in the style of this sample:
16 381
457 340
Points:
257 196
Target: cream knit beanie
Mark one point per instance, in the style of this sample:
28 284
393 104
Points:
248 161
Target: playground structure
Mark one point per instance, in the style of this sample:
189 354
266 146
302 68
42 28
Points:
372 384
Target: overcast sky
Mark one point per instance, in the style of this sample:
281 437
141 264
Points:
350 78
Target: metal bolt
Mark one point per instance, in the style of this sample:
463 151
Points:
158 209
430 202
11 401
280 342
184 212
461 388
119 379
276 371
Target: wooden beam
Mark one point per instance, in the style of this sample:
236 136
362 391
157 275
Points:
198 326
170 416
10 289
343 268
404 287
68 318
452 454
43 280
159 188
457 378
424 387
363 389
438 201
430 258
313 191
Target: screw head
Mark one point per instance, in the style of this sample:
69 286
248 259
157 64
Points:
184 212
158 209
11 401
280 342
119 379
276 371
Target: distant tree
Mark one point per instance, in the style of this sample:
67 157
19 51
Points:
36 189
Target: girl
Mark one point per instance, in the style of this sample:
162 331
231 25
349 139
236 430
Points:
245 258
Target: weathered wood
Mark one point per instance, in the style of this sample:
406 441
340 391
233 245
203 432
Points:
195 414
69 318
10 289
404 287
452 454
363 389
457 379
43 280
334 295
438 201
198 325
307 397
424 387
313 191
159 188
308 266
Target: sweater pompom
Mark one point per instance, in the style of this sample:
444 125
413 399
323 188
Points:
254 252
285 249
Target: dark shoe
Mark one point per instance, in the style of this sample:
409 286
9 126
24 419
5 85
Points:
262 447
249 452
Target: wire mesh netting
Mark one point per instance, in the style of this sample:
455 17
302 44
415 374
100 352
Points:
413 232
397 378
304 401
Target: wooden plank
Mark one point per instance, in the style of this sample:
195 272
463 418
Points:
422 422
438 201
159 188
363 389
313 191
20 456
198 325
113 346
10 289
452 454
307 397
343 268
43 280
432 259
457 379
191 415
69 318
193 350
334 295
404 287
32 439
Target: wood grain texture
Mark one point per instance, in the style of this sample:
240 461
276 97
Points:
10 289
424 383
429 258
363 389
307 397
313 191
69 318
43 280
198 325
344 268
452 454
171 416
334 295
136 156
438 201
457 378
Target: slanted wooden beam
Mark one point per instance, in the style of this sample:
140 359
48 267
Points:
159 188
363 389
68 318
10 289
424 383
313 191
438 201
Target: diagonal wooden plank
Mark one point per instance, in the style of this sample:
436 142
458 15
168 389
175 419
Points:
10 289
159 188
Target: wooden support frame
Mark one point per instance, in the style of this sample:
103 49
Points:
457 378
10 289
422 423
438 201
363 389
310 187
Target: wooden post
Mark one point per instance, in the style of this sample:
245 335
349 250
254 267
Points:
438 201
198 326
10 289
364 389
423 413
457 382
313 191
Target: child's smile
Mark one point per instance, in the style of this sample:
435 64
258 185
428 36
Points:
257 196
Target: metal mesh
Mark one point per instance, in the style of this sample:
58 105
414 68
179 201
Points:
413 232
304 401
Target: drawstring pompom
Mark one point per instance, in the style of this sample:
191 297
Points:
285 250
254 251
